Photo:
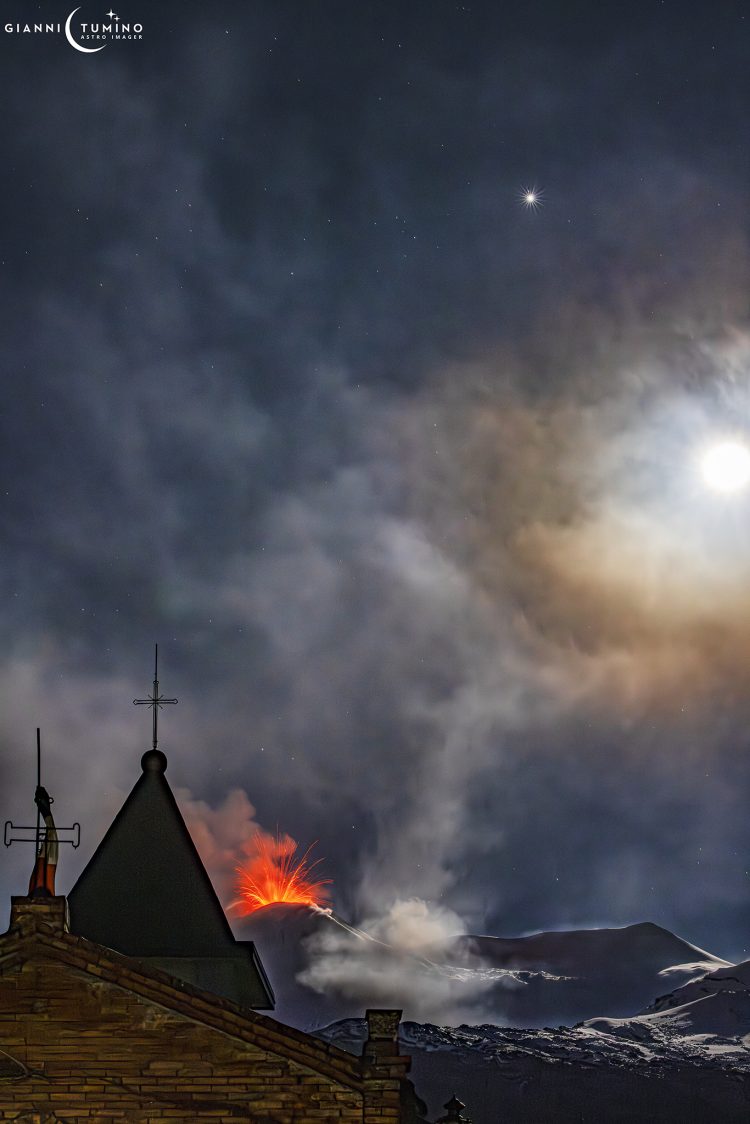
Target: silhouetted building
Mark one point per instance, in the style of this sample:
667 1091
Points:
134 1002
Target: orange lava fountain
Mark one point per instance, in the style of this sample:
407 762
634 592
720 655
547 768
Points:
273 874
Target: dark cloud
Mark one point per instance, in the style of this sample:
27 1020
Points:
399 474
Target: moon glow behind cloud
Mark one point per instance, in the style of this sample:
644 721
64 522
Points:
726 466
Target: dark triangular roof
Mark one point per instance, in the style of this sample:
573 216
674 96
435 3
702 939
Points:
146 893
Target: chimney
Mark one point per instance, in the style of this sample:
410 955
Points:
384 1069
381 1047
30 913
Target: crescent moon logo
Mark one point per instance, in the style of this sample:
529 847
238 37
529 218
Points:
71 40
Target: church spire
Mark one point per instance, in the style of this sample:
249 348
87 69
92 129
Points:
146 893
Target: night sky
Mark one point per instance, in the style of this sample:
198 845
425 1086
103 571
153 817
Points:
401 474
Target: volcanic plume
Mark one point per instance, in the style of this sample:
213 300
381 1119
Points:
274 874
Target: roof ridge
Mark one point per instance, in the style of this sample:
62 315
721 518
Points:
188 1000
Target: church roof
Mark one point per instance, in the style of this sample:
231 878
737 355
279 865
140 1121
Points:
146 893
36 932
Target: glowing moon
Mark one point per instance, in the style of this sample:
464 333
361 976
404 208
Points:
726 466
71 40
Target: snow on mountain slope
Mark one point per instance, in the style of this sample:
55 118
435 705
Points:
730 979
710 1014
570 1075
567 976
591 951
544 979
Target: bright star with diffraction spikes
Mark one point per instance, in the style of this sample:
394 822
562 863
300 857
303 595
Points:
531 198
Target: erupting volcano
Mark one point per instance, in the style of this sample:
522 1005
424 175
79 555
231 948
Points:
274 875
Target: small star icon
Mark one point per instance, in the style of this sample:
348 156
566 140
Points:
112 15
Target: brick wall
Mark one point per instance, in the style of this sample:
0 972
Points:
80 1043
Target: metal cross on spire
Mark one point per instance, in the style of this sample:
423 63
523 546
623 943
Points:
155 701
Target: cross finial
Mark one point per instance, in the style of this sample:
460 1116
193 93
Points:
155 700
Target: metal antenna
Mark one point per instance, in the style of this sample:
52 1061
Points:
38 782
155 701
14 833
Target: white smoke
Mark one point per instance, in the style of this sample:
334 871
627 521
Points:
406 957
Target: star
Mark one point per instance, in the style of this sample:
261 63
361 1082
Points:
112 15
531 198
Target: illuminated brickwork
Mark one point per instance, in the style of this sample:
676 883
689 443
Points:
90 1036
